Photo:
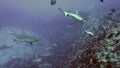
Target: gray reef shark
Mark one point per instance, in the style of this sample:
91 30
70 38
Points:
23 37
73 15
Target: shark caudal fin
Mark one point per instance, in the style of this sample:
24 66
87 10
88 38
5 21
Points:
11 32
65 13
61 10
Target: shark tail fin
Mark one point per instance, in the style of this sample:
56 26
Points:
11 32
61 10
65 13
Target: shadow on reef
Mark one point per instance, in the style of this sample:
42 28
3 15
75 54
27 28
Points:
101 50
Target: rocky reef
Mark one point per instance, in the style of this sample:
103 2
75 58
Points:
99 47
102 50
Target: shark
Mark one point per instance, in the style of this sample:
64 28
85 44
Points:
75 16
23 37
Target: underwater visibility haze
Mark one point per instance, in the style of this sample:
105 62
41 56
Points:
59 34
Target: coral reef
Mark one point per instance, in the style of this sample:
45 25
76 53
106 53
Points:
101 50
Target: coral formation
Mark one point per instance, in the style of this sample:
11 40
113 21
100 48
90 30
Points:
102 51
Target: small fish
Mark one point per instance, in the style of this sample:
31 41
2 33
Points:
53 2
101 1
37 60
48 48
47 54
88 32
55 45
73 15
112 11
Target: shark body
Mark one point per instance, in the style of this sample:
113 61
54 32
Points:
73 15
24 37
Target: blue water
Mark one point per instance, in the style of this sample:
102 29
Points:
40 19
